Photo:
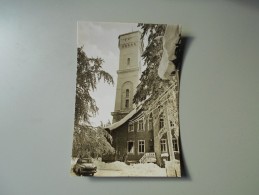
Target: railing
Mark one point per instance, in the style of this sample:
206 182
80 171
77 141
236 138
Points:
148 157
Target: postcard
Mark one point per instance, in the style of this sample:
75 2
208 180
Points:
126 103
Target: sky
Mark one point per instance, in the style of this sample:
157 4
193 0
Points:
101 40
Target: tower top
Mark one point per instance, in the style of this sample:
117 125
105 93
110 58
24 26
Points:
134 32
131 39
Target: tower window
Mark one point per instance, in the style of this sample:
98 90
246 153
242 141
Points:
126 96
127 99
128 61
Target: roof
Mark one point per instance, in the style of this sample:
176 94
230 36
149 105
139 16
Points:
124 119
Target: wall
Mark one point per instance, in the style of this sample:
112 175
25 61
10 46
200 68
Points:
218 102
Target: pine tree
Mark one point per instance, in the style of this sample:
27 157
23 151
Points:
89 72
88 140
151 85
91 141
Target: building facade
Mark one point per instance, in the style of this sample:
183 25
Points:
137 139
131 48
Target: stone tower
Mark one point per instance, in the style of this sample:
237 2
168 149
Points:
131 48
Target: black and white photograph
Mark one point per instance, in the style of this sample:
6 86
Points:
126 120
129 97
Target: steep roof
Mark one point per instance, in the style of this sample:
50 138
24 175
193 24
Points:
124 119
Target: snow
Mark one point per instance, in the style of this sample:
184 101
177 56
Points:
121 169
170 39
147 169
118 168
125 119
173 168
117 165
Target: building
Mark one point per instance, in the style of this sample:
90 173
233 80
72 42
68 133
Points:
131 48
137 138
140 140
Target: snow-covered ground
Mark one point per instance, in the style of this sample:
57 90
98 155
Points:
139 170
121 169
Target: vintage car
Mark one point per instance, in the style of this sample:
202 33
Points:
85 167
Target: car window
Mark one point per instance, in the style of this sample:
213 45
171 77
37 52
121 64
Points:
87 161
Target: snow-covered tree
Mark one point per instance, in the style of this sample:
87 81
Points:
89 72
88 140
151 85
91 141
160 97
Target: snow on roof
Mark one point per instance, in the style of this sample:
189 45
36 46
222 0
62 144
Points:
170 41
125 119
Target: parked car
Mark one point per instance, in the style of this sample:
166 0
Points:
84 166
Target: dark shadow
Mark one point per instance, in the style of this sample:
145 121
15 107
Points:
184 167
183 50
136 179
182 53
251 4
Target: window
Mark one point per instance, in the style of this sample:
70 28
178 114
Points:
126 96
175 144
163 145
141 146
128 61
130 147
161 122
131 127
127 93
140 125
127 99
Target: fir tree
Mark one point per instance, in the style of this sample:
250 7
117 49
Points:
89 72
151 85
89 140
